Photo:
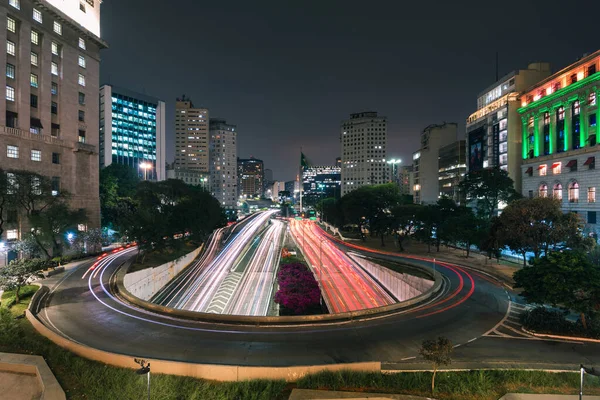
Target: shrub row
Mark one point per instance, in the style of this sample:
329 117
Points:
543 320
298 290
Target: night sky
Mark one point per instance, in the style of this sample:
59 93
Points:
286 73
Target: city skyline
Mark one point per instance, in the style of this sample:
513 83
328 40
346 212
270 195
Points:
281 99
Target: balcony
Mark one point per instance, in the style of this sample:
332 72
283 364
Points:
84 147
4 130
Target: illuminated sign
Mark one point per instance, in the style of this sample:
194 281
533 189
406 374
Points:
85 14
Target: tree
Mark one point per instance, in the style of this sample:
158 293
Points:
118 185
330 211
16 274
567 279
429 217
4 199
462 226
51 226
405 221
438 352
487 188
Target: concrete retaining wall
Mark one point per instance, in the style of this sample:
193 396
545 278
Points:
203 371
33 365
145 283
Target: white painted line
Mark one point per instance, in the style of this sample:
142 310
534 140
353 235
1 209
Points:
408 358
472 340
457 345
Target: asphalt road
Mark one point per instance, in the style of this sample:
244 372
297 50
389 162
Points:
474 311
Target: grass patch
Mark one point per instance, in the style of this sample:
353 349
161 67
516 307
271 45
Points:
8 297
155 259
472 385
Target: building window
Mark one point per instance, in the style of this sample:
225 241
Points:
54 88
543 191
36 155
560 129
576 107
557 191
81 98
10 71
81 43
591 195
55 48
55 130
33 100
82 61
591 217
81 80
81 116
10 93
34 59
543 170
54 68
12 234
35 37
10 48
573 78
33 80
57 27
11 25
55 185
556 168
81 136
82 6
55 158
15 3
54 108
591 69
12 151
37 15
573 192
592 119
592 99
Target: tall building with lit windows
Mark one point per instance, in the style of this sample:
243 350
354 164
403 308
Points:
559 138
49 106
191 136
363 138
251 175
493 131
223 162
132 131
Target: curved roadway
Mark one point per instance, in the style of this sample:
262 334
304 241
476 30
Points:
471 308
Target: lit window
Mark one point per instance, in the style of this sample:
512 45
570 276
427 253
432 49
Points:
10 47
55 48
557 191
10 93
561 113
81 43
82 61
54 88
15 3
556 168
81 80
54 68
34 59
37 15
57 27
81 227
12 151
10 71
35 37
543 170
543 192
573 192
33 80
36 155
576 108
11 24
591 195
592 99
12 234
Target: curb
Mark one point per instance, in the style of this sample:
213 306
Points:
570 338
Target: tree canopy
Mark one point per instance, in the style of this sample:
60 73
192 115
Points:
487 188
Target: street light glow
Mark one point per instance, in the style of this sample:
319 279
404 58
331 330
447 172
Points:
145 165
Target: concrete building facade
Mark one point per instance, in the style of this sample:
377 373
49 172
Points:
452 169
223 162
320 182
132 131
493 131
191 136
363 138
49 114
250 178
190 177
426 161
559 139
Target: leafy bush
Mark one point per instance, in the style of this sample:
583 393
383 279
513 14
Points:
543 320
298 289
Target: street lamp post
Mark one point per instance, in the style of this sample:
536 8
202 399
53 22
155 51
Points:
145 166
394 163
145 369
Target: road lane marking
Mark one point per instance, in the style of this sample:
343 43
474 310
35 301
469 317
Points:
472 340
408 358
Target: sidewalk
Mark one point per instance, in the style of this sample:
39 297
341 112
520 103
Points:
305 394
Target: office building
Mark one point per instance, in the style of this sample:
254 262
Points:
426 161
402 176
363 138
275 192
452 169
49 115
190 177
250 178
132 131
494 130
191 136
338 162
559 139
223 162
320 182
294 188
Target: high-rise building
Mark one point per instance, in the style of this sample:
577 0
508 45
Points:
251 175
320 182
49 118
426 161
191 136
269 181
406 180
190 177
452 169
294 188
338 162
223 162
559 139
363 138
132 131
493 131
